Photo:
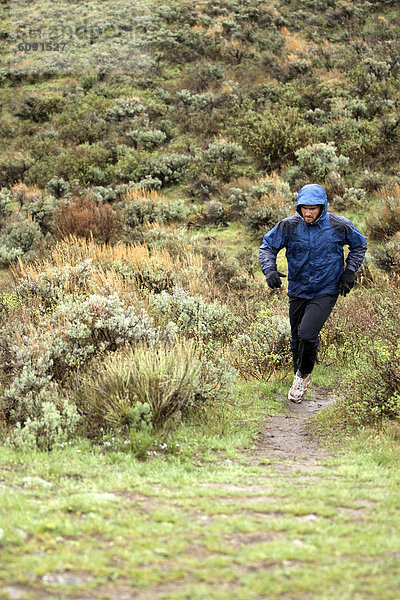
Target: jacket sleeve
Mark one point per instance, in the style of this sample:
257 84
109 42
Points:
273 241
357 243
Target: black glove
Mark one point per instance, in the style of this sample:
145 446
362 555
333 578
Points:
347 281
273 279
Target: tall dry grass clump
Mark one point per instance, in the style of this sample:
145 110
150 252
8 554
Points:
147 388
120 267
143 195
165 378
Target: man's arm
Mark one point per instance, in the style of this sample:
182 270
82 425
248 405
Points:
273 241
357 243
353 238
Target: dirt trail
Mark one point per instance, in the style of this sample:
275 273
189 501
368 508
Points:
285 437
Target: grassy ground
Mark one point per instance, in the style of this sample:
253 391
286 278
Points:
218 519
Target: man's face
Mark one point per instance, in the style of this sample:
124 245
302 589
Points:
310 213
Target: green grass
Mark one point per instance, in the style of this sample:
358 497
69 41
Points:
212 521
234 237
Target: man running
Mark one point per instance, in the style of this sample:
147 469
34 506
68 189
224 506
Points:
314 241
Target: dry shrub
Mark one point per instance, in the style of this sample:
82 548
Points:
384 220
24 194
86 218
296 46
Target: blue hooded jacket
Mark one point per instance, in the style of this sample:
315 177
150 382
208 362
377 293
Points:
314 251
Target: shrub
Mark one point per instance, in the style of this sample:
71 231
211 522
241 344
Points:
367 329
100 193
237 202
214 213
248 260
40 348
194 316
158 237
273 136
5 208
371 180
121 268
50 284
262 214
388 257
142 207
98 323
154 272
85 162
317 161
375 386
197 113
42 212
36 204
41 418
73 329
203 187
384 220
39 108
24 194
72 332
358 138
149 183
20 237
273 185
222 159
220 267
317 116
168 169
163 377
124 108
263 347
146 139
13 166
206 74
298 67
126 163
352 199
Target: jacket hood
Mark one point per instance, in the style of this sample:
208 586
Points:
310 195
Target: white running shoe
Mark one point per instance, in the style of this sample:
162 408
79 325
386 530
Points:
299 388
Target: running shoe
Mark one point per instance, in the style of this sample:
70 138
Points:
299 388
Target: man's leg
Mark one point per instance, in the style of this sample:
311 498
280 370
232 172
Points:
314 316
297 307
307 318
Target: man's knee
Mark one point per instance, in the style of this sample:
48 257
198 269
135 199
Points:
309 338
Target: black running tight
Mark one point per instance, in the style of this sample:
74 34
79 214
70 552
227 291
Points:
307 317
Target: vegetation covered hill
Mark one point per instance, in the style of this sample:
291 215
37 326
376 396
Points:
158 94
